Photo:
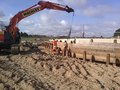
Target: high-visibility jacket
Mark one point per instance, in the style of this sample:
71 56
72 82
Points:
54 43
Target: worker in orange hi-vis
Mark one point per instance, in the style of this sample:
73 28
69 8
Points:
54 44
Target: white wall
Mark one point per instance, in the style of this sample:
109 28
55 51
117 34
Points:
88 40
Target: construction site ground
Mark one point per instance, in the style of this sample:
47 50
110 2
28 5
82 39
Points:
38 69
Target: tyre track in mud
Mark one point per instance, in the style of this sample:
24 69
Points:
11 71
38 71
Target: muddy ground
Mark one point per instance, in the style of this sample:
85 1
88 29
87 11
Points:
34 69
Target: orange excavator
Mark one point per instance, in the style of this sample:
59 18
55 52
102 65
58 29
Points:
10 37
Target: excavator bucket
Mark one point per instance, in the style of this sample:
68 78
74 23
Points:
69 9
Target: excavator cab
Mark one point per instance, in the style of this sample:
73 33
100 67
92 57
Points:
7 41
7 37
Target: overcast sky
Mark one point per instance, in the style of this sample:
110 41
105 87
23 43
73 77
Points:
99 17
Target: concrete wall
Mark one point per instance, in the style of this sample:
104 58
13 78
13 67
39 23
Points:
95 40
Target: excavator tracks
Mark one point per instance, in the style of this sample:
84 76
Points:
15 49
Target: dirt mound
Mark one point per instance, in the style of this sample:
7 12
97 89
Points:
40 71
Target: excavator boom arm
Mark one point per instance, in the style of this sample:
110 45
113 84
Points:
34 9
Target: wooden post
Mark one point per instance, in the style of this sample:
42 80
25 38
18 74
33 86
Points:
91 40
117 61
108 59
64 51
92 58
84 55
69 53
115 41
58 51
74 55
